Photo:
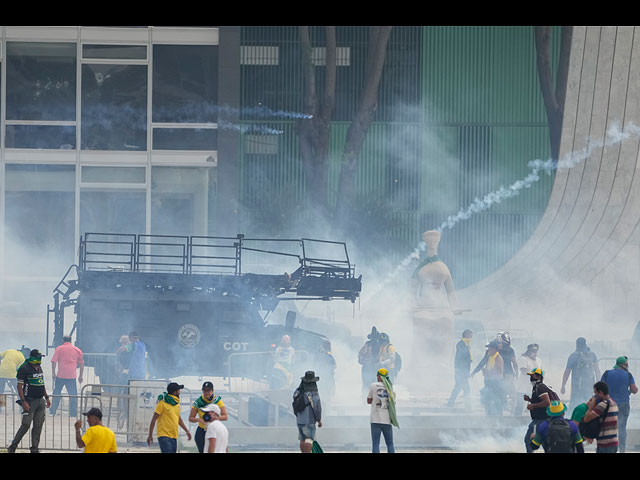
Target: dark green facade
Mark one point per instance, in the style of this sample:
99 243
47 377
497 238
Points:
460 114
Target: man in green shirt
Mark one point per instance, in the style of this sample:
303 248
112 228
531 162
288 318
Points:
33 399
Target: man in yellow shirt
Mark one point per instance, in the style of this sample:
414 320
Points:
167 415
97 438
10 360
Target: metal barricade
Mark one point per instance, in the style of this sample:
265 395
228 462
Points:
58 432
128 409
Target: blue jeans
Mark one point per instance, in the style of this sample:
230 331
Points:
527 436
72 390
387 431
607 450
168 445
461 385
623 416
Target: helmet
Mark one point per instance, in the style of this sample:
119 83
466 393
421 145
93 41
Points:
504 337
384 337
286 340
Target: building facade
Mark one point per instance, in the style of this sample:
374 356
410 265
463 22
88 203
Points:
191 130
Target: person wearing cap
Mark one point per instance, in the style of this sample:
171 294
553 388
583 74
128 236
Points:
97 438
530 361
197 412
582 366
65 361
167 415
216 433
34 400
311 414
541 397
383 416
492 395
573 441
621 385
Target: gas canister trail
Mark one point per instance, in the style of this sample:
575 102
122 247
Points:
615 135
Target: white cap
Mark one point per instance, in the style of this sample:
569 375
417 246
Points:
212 407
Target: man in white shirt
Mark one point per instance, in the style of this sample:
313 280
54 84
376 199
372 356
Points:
382 400
217 435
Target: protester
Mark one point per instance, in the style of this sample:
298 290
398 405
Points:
383 411
621 384
530 361
388 357
167 415
603 406
308 410
66 359
282 362
198 411
510 372
556 433
97 438
368 358
461 367
492 395
582 366
33 399
541 397
216 433
10 360
134 355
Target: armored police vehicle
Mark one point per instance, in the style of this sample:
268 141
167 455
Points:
194 305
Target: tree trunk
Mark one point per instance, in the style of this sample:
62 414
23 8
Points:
314 133
368 102
553 97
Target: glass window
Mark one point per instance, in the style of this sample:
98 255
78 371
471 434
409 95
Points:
185 83
113 174
119 52
182 200
41 136
114 107
112 211
185 139
39 219
41 81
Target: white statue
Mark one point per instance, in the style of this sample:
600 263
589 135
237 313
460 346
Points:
435 305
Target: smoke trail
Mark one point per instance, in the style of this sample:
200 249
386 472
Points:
614 136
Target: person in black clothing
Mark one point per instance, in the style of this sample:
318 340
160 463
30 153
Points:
540 399
510 368
462 366
33 399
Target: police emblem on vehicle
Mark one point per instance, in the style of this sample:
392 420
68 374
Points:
189 335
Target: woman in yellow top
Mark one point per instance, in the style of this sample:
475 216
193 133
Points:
167 415
196 414
97 438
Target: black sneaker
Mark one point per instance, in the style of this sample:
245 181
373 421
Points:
11 449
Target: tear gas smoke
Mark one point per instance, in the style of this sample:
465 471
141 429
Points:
614 136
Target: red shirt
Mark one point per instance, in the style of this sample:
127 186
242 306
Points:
68 357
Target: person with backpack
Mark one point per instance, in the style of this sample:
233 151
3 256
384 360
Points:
621 385
601 406
556 433
582 366
307 408
541 397
368 358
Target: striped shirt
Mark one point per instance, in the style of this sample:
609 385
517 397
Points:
608 436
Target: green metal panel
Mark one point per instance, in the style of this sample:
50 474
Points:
460 114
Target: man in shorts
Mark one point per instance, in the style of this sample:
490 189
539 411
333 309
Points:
312 412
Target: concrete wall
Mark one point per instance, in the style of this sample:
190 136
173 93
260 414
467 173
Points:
581 268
